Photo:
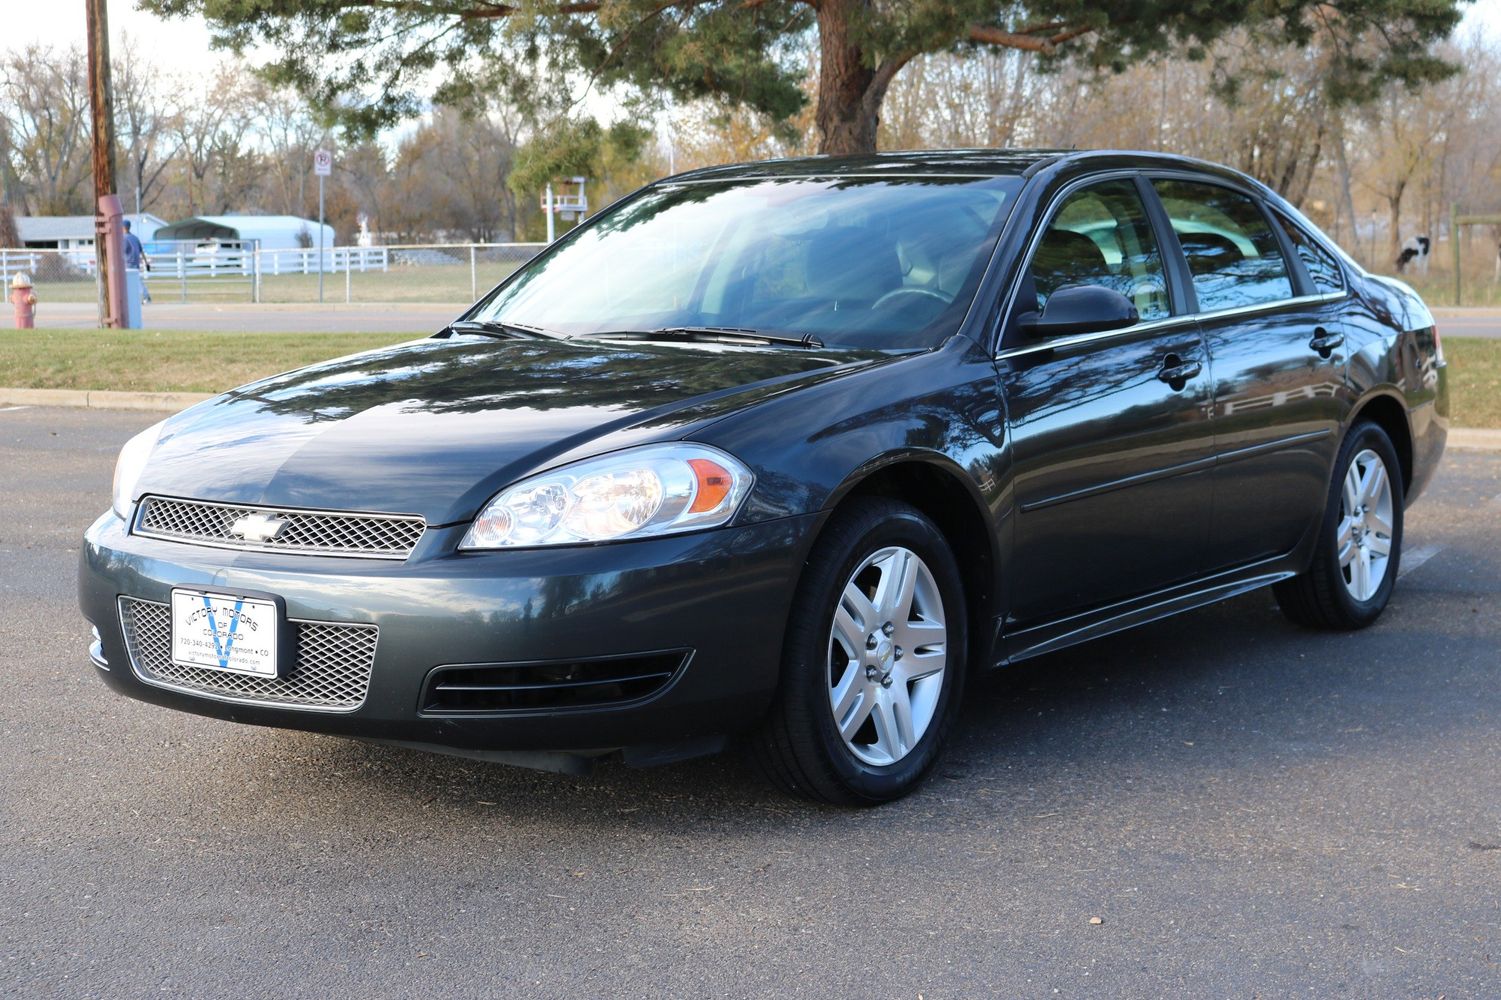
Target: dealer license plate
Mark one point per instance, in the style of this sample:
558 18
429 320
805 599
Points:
224 632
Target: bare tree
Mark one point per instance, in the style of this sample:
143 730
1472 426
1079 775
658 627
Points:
44 100
146 119
452 172
209 129
289 136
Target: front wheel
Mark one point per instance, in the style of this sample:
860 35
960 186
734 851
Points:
1355 564
873 662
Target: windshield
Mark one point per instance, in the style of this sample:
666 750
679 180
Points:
888 262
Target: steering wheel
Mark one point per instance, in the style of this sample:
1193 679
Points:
928 292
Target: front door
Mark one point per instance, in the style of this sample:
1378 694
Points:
1110 432
1276 342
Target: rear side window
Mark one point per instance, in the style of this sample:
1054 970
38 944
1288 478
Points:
1101 236
1232 253
1320 264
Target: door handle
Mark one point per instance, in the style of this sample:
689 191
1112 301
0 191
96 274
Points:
1176 372
1325 342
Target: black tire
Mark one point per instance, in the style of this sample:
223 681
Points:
1320 597
799 745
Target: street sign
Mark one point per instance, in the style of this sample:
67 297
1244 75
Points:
323 166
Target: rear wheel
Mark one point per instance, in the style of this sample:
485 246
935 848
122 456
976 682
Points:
873 662
1355 565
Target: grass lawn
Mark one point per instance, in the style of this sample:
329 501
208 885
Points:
1479 288
192 361
1474 380
166 360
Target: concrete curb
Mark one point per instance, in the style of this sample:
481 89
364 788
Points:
102 399
1474 439
1464 438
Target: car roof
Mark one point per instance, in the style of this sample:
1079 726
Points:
937 162
951 162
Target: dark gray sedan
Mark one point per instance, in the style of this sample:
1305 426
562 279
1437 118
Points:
785 451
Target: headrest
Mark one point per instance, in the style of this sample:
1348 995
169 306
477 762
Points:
1209 253
1065 257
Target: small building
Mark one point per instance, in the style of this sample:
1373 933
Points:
76 232
268 232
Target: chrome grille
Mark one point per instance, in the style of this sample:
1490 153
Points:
308 532
330 668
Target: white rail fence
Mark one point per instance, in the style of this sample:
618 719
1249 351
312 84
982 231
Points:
439 272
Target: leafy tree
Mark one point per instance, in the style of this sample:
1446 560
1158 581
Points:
370 61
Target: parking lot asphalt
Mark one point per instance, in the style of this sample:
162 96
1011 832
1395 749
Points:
1247 808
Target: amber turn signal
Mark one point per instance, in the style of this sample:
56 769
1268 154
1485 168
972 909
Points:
714 484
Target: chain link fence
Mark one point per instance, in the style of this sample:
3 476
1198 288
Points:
440 273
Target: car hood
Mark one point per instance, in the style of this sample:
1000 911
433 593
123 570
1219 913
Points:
435 427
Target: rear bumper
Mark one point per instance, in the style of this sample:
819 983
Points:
724 595
1430 431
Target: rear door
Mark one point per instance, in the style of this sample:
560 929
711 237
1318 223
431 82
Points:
1110 431
1276 346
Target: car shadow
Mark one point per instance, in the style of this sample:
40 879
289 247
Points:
1226 693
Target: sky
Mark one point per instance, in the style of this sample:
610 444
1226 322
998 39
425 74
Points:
184 43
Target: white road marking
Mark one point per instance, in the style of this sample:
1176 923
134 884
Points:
10 409
1417 557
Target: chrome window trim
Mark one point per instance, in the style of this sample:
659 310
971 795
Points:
1047 214
1130 172
291 706
1074 340
1053 343
140 508
1297 300
1339 266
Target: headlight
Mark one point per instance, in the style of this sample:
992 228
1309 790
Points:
637 493
131 463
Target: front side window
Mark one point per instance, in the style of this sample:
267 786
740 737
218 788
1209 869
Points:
880 262
1319 262
1101 236
1232 253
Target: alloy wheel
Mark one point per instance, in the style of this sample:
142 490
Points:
1364 538
887 656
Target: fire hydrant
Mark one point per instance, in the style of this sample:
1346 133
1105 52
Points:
24 299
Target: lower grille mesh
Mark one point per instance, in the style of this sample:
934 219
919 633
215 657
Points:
330 667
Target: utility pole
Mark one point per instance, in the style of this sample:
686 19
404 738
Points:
101 104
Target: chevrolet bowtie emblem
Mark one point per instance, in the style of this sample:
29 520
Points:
257 527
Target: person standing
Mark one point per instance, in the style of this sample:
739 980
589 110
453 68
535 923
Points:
136 259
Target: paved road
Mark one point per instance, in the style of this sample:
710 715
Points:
1469 322
1251 809
389 318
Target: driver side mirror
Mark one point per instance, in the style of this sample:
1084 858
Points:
1076 309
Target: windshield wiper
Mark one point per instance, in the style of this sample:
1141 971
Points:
715 334
504 331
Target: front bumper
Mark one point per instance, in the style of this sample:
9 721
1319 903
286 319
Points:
722 594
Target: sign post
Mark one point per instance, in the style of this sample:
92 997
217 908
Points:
568 198
323 165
